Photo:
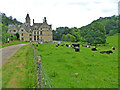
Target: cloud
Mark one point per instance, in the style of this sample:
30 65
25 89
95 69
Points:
60 12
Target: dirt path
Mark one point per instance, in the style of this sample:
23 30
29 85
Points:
7 52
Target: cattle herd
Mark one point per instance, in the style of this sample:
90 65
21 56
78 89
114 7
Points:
77 49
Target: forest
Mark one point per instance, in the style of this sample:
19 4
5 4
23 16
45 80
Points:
93 33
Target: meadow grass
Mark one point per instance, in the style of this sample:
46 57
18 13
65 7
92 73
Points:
20 70
13 43
95 70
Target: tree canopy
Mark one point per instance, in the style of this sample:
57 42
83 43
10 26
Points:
93 33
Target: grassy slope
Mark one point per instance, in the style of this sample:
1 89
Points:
20 71
95 70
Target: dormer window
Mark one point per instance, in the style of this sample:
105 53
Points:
14 30
22 30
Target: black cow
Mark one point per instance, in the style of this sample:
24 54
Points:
62 45
108 52
36 45
94 49
103 52
76 45
67 45
77 49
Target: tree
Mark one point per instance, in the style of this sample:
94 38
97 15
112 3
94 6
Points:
94 33
68 37
63 37
97 33
17 36
75 33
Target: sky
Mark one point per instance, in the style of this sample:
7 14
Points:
60 13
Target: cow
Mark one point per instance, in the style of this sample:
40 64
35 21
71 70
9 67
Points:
94 49
84 45
113 48
103 52
70 46
36 45
77 49
41 42
67 45
76 45
62 44
108 52
57 45
88 46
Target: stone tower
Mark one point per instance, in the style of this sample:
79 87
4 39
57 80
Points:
27 20
44 20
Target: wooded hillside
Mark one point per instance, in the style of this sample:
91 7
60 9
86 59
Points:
93 33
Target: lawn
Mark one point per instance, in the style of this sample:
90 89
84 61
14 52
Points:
94 70
20 70
13 43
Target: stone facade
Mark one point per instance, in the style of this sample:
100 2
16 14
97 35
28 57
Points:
36 32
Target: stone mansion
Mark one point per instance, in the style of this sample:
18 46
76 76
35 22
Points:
36 32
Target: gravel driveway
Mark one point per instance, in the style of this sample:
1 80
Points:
7 52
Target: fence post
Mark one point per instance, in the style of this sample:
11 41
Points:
33 52
38 71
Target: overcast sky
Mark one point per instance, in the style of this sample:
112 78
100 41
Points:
71 13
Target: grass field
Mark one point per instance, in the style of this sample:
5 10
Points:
94 70
20 70
13 43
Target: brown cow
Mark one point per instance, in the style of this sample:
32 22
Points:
84 45
113 48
